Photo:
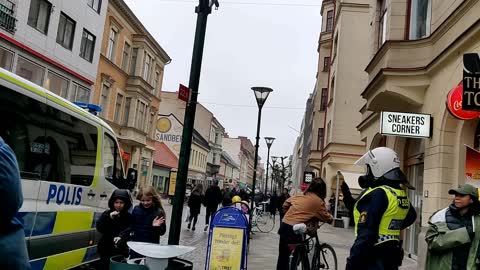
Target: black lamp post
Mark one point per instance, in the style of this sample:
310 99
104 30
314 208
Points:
269 141
261 95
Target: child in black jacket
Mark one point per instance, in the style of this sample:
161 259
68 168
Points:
114 225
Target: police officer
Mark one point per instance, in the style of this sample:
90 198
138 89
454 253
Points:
380 213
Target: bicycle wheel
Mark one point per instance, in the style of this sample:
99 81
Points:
324 258
265 223
300 260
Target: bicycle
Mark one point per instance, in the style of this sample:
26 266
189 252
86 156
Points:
323 255
263 221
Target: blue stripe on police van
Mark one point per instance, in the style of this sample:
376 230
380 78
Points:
96 217
38 264
91 254
27 219
44 223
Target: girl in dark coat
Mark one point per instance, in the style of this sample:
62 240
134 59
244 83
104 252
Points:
148 219
114 226
195 203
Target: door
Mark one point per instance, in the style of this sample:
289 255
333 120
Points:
415 176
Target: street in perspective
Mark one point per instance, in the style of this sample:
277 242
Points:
238 134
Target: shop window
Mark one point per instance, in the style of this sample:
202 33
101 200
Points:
39 15
87 46
66 31
6 59
30 71
420 17
57 84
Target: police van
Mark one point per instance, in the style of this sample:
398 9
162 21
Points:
69 162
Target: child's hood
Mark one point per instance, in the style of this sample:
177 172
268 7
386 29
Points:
123 195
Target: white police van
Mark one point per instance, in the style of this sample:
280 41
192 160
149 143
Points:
69 162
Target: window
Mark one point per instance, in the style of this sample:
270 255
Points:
328 131
112 39
125 57
323 101
140 117
30 71
126 112
335 44
39 15
88 45
118 108
146 67
57 84
66 31
152 118
95 5
382 23
326 63
420 16
332 88
79 93
112 165
6 59
329 21
104 100
155 81
320 139
133 62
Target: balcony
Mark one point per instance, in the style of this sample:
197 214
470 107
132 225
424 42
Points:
7 18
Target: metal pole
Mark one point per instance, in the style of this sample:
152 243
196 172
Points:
255 170
266 177
336 195
283 174
203 9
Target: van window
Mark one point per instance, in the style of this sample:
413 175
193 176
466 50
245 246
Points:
24 130
112 164
72 145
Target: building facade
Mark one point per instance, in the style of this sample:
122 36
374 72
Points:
415 60
242 152
335 142
128 85
55 44
229 171
215 143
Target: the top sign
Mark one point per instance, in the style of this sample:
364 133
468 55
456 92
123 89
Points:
406 124
471 82
183 93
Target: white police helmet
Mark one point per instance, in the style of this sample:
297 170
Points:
381 160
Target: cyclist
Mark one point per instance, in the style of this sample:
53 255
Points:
308 208
382 210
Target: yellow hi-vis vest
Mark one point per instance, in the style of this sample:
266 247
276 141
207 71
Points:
392 219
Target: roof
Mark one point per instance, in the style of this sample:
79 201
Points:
163 156
198 138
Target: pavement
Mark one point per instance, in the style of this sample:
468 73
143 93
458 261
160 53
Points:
264 246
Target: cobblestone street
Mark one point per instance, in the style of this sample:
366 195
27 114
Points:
264 246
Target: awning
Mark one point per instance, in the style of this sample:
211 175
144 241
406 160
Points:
351 178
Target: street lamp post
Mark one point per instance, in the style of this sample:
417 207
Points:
269 141
274 160
261 95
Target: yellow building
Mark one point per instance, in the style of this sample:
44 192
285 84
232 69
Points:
415 59
128 85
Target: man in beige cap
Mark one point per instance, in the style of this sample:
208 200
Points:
453 236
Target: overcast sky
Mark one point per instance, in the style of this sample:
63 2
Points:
248 43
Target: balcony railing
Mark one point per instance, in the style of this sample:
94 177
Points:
7 17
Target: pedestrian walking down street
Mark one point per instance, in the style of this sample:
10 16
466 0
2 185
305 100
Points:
12 237
381 212
273 205
213 197
195 204
227 196
148 219
453 236
114 225
308 208
281 200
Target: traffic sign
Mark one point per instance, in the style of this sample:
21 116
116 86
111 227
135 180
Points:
183 93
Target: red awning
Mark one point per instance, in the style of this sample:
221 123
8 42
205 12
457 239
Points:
163 156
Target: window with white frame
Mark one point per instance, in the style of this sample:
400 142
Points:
66 31
146 67
79 93
30 71
6 59
329 27
104 100
140 115
382 22
133 61
126 111
155 81
118 108
95 5
420 17
39 15
125 57
87 46
112 40
57 84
